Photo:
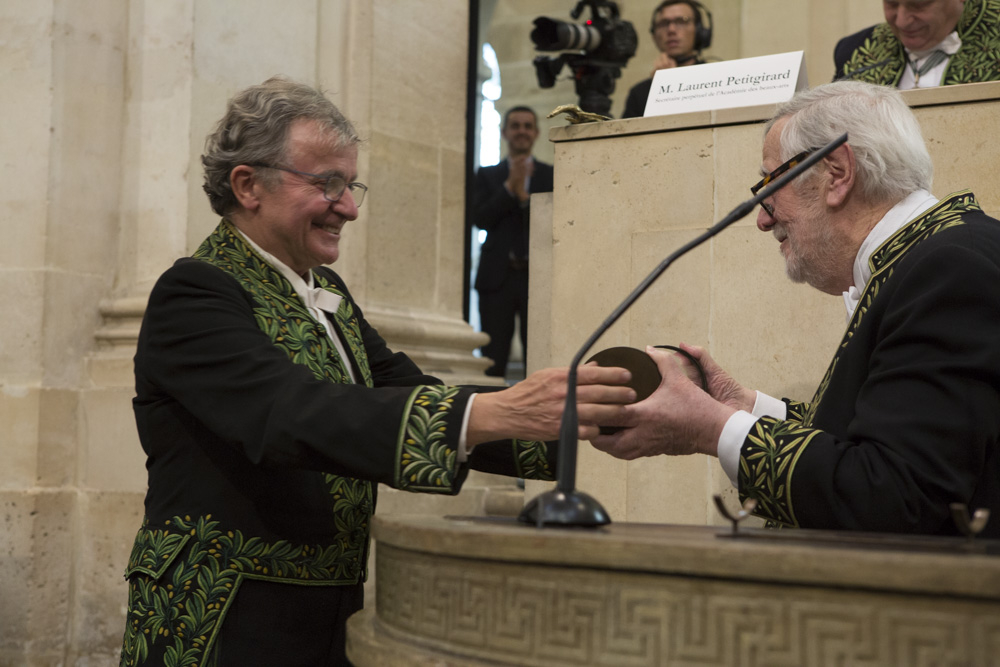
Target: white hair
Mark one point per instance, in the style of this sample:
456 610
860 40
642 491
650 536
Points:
891 157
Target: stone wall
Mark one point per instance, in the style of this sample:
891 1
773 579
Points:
107 106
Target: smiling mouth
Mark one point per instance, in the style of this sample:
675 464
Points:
329 229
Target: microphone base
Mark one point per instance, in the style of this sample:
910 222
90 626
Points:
564 509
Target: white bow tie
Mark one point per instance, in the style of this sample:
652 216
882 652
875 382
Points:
317 297
851 299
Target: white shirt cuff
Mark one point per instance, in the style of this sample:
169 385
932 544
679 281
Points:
737 428
768 406
463 445
734 433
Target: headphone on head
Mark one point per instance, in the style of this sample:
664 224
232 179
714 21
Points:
702 21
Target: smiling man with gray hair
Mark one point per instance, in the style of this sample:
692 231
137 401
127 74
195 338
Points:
270 409
906 420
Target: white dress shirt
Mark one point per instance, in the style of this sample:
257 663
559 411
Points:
932 77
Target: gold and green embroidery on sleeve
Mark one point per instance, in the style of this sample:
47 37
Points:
796 411
426 462
193 570
767 464
532 460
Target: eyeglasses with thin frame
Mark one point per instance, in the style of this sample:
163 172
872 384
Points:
333 186
679 22
778 171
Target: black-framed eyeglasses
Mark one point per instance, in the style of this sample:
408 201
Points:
679 22
778 171
333 186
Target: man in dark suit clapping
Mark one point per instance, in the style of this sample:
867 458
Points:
502 209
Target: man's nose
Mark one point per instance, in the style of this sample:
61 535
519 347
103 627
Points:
346 207
765 219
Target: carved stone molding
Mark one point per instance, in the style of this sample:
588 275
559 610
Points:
440 345
470 610
121 319
111 363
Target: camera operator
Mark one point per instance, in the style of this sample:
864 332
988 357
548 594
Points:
680 35
595 52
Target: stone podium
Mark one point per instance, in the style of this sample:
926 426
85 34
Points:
479 591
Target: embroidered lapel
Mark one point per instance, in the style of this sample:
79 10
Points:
947 213
279 311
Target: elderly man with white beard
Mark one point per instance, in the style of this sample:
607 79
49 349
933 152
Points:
906 420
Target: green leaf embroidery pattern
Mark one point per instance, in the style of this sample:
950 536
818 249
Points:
979 57
183 609
881 47
766 467
532 459
427 463
278 309
796 411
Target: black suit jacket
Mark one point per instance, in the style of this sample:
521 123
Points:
635 103
504 219
234 428
907 419
262 465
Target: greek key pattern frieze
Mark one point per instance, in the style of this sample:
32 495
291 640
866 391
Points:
542 615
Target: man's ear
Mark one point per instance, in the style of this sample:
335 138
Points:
243 180
842 170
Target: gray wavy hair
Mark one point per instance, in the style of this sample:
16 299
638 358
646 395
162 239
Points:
890 154
255 130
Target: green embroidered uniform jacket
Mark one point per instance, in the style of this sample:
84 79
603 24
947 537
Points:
263 458
907 417
875 55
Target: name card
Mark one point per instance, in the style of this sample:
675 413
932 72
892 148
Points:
724 85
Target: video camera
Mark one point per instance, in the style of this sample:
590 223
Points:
605 41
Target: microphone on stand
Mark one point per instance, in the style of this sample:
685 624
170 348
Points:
565 505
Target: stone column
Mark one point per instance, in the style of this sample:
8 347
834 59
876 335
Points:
402 258
156 165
